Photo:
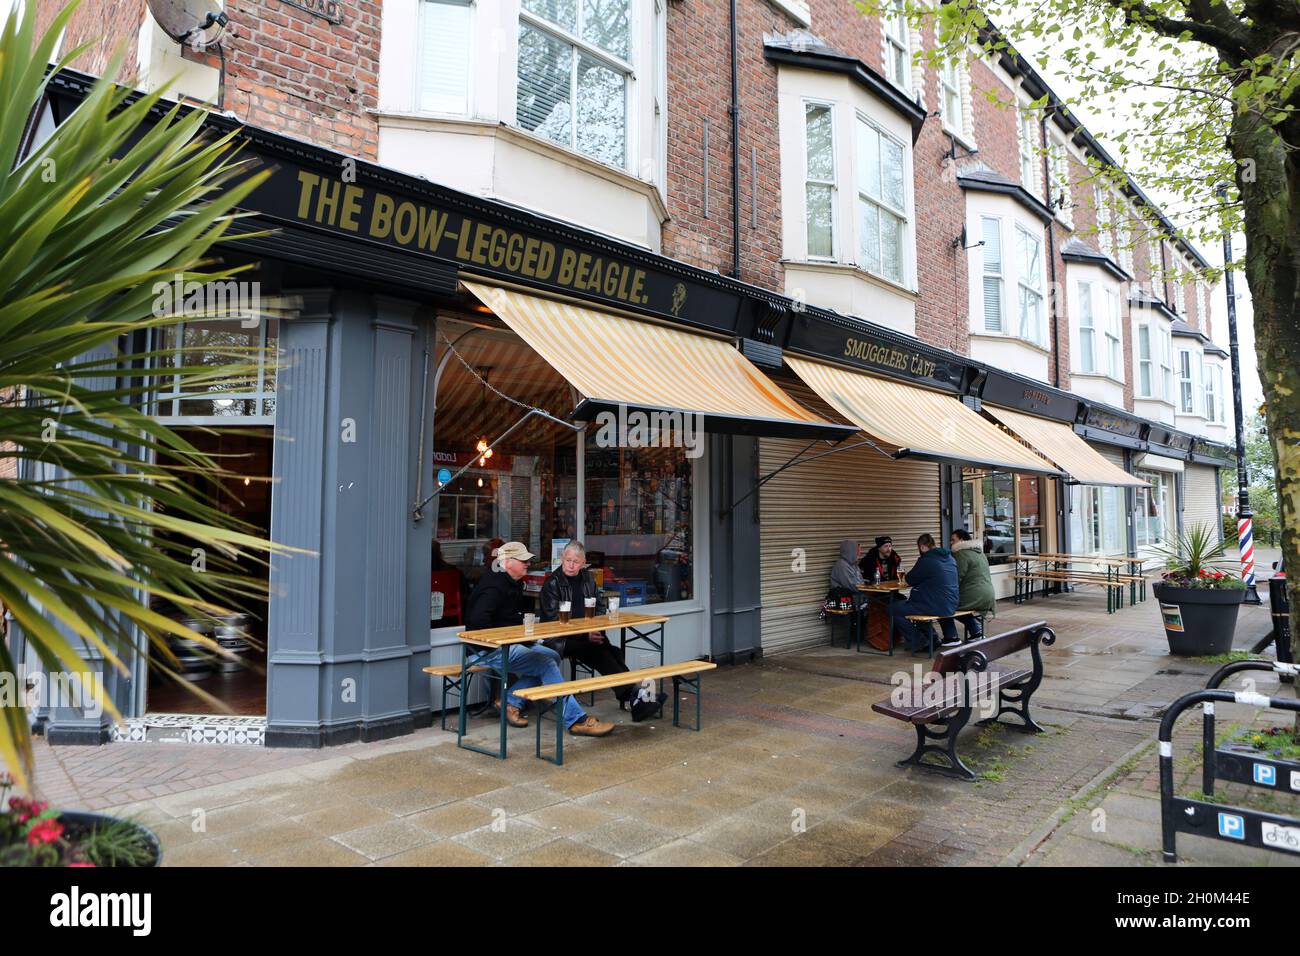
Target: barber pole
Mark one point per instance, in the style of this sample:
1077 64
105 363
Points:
1246 539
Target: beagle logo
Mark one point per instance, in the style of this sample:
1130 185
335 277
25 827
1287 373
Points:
679 297
102 909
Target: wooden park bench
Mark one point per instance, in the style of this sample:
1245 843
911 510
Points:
940 711
684 674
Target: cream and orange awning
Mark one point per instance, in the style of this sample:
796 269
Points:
1057 442
918 422
615 361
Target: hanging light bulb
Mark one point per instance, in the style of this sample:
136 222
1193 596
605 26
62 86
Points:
245 482
480 482
483 450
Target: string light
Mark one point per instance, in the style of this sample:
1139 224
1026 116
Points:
484 453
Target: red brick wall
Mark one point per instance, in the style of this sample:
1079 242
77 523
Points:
106 25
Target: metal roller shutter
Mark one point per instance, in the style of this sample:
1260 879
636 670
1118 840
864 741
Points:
1201 498
851 494
1112 453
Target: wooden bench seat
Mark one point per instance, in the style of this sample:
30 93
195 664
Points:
683 674
452 681
971 663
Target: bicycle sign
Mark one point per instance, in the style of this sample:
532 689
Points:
1284 838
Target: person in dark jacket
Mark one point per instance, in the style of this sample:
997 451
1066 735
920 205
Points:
572 582
495 602
933 580
881 560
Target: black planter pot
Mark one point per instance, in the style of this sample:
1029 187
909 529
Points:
80 821
1199 622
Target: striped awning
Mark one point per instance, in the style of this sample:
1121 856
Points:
616 362
917 422
1057 442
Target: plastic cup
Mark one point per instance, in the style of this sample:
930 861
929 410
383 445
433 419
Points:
530 621
613 607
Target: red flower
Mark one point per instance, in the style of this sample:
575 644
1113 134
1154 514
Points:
47 831
80 863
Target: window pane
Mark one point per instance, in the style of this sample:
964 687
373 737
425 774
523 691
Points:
999 517
992 246
561 12
639 525
545 65
820 226
1087 350
1029 519
891 173
891 246
992 304
607 24
869 160
868 236
444 57
602 112
820 142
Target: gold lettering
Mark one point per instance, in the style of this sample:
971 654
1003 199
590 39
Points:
637 283
482 233
515 252
545 260
568 261
381 218
582 271
351 207
497 249
611 280
308 181
462 243
404 224
327 201
432 225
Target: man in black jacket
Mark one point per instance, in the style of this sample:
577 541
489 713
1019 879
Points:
572 582
495 603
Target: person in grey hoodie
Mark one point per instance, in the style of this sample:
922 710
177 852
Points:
845 572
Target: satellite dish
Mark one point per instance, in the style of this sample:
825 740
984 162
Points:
197 23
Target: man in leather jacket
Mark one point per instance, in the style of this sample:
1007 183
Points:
572 582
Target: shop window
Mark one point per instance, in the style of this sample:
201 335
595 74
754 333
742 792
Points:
882 202
444 57
574 71
1154 506
1097 524
1010 513
639 524
819 189
218 342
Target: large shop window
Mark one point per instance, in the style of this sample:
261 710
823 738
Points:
574 70
216 342
1011 514
442 85
1155 502
1097 524
638 520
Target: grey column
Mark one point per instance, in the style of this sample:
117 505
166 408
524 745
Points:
734 570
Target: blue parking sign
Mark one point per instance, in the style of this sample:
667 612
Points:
1232 826
1265 775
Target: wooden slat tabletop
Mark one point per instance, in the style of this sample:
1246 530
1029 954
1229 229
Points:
501 636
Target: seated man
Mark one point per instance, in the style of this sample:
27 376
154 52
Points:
882 562
933 580
495 603
974 584
572 582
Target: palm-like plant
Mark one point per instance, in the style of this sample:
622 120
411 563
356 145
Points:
1197 559
99 517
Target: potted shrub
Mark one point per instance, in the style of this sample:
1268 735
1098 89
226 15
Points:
1199 594
32 834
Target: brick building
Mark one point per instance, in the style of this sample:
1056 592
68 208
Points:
816 190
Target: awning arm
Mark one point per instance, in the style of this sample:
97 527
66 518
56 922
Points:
796 460
418 512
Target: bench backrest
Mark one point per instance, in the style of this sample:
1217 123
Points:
978 654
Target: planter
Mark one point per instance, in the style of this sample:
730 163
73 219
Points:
77 822
1199 622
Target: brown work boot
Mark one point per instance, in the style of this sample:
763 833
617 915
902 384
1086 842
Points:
590 727
513 717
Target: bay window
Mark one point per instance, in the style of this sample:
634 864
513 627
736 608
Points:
991 233
1030 282
573 74
1213 393
445 41
882 202
819 180
1114 340
1087 330
1186 383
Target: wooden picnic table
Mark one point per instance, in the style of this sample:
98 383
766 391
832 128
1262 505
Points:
879 626
645 629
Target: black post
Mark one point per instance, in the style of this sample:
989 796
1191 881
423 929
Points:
1245 542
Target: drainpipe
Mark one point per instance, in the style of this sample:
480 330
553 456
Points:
735 150
1051 254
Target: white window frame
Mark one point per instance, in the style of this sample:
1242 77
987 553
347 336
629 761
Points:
1186 383
1114 337
1145 351
860 196
166 404
1062 194
896 41
833 183
421 12
586 48
1105 238
1088 364
1025 288
1166 364
1031 173
999 276
953 89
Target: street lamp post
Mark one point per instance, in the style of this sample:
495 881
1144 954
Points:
1245 534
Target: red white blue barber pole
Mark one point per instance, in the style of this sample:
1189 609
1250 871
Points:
1246 541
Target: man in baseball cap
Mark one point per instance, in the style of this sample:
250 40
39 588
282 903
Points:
495 602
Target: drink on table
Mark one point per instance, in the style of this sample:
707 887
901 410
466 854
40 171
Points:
566 609
589 604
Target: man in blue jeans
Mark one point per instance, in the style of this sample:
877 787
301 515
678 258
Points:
495 603
933 580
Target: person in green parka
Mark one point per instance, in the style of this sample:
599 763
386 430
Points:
973 581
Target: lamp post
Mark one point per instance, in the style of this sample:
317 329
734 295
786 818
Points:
1245 534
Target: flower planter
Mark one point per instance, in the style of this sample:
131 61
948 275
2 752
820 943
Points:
1199 622
77 822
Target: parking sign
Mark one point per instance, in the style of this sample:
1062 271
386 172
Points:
1232 826
1265 774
